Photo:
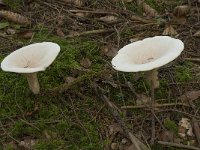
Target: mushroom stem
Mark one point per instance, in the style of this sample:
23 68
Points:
33 82
152 79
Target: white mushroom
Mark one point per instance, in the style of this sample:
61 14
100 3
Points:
31 59
148 55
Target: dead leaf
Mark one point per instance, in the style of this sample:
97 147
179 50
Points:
10 31
185 127
109 19
180 13
181 132
59 32
80 14
169 30
109 50
114 129
190 96
167 136
114 146
26 34
27 142
149 11
85 62
142 99
14 17
197 34
124 141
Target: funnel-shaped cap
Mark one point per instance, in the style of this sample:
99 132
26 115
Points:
148 54
31 58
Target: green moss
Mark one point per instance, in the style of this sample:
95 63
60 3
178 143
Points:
50 145
183 72
171 125
162 91
14 5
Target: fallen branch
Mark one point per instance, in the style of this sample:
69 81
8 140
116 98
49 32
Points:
169 144
89 32
136 142
156 105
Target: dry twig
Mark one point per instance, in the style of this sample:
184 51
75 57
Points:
193 59
169 144
89 32
156 105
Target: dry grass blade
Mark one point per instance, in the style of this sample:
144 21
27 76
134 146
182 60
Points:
14 17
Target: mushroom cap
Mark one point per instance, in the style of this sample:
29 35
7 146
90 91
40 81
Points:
147 54
32 58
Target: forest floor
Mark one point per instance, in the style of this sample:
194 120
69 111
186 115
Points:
68 114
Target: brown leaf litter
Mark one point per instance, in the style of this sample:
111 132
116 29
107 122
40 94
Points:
169 30
14 17
180 14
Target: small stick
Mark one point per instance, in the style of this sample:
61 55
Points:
156 105
169 144
99 31
91 11
196 129
193 59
